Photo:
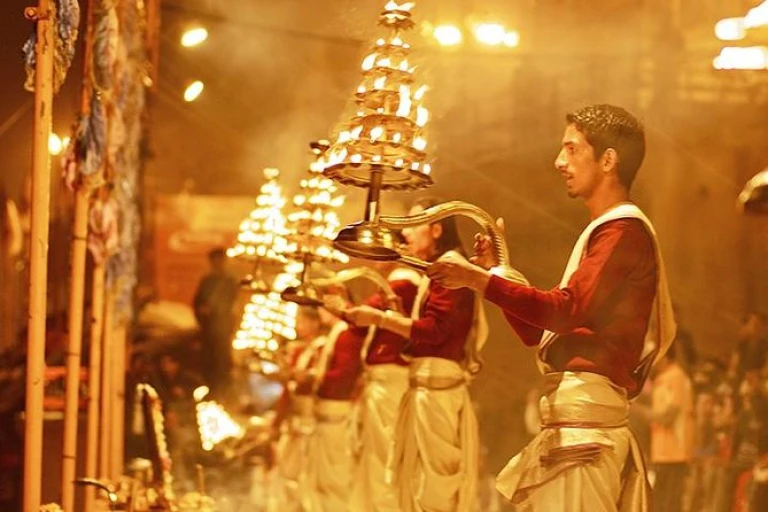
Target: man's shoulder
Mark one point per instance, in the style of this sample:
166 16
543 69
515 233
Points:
630 225
629 233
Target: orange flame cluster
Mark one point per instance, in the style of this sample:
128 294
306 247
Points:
314 223
215 425
267 317
387 133
262 234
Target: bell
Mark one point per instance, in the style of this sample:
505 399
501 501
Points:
754 197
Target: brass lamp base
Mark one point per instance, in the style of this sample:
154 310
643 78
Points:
372 242
754 197
394 178
303 295
368 241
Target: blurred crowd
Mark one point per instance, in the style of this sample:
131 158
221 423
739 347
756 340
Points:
707 421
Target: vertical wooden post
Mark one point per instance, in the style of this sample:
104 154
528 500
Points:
74 348
118 400
107 359
76 294
94 382
41 197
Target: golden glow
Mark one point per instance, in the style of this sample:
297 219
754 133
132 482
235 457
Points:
55 144
757 16
194 37
511 39
263 232
268 316
200 393
422 116
730 29
404 104
448 35
389 130
369 61
314 223
491 34
215 425
394 6
750 57
193 91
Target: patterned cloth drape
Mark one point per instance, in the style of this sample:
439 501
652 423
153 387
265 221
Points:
66 18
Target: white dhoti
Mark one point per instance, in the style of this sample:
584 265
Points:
293 453
384 389
331 463
434 464
585 459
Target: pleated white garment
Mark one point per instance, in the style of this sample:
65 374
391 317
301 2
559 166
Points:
293 454
585 459
384 389
331 463
434 463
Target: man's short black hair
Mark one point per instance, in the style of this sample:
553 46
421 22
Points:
608 126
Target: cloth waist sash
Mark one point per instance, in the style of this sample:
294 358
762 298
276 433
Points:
333 410
425 368
386 372
578 410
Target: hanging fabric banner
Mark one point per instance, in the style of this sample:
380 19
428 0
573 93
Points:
66 18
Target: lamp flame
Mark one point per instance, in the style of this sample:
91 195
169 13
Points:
216 425
394 6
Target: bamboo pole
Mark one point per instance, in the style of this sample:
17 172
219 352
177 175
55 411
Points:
41 197
74 348
77 292
94 382
118 402
107 359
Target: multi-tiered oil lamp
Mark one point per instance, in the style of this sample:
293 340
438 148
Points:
261 238
312 227
383 147
266 320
